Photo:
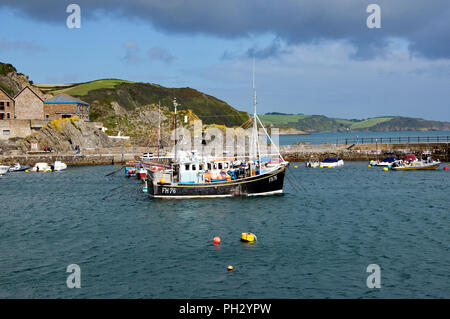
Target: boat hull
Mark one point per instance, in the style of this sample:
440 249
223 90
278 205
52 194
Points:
267 184
415 168
3 170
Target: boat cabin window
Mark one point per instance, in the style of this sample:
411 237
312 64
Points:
202 166
209 166
215 165
220 166
194 167
186 167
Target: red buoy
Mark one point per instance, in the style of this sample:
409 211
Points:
446 168
217 240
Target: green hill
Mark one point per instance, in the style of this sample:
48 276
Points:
320 123
131 95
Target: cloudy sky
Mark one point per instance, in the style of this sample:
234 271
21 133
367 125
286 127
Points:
312 56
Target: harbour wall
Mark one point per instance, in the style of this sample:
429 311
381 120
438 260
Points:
291 153
363 152
103 156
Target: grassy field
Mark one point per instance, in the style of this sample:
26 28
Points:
369 122
80 89
281 120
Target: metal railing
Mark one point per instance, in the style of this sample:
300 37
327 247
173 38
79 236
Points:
393 140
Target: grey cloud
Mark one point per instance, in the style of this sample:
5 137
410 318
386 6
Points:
132 52
157 53
424 24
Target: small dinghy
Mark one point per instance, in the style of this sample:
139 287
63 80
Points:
19 168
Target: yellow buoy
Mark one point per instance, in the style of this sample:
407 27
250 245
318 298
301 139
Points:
330 166
248 237
321 166
385 169
295 166
314 166
27 171
230 268
369 165
162 181
50 170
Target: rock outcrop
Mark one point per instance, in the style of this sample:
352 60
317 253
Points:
64 134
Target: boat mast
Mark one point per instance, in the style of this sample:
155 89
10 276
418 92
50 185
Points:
255 123
175 104
159 124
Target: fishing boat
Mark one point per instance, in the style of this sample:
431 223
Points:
4 169
332 162
18 168
412 163
190 175
196 177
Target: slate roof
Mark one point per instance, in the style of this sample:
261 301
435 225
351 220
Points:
64 98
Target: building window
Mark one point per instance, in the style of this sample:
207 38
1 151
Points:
2 106
66 116
8 115
6 132
2 116
7 103
47 116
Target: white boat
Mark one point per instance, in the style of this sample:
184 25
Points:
3 169
41 167
313 162
332 162
59 166
19 168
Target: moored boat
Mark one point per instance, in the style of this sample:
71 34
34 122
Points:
59 166
313 162
197 178
18 168
3 169
193 176
411 163
41 167
332 162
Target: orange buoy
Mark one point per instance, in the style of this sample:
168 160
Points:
217 240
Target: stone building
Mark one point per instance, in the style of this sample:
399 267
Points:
27 112
64 106
6 106
28 105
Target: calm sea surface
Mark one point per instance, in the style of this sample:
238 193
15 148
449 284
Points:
312 244
332 137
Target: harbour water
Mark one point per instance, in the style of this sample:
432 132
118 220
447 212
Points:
316 243
339 137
